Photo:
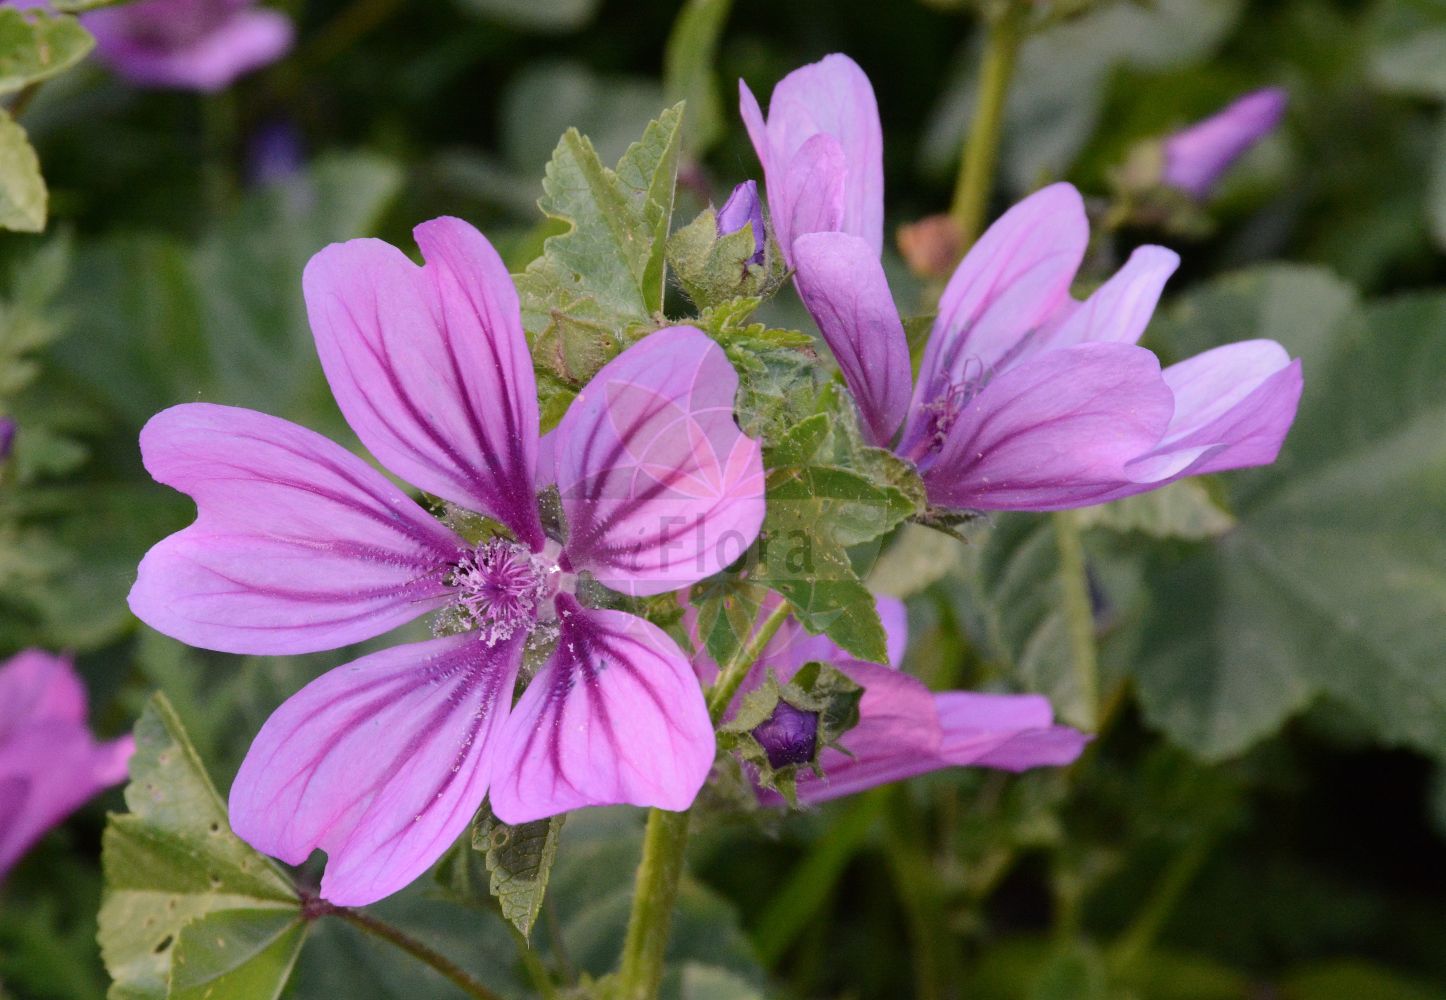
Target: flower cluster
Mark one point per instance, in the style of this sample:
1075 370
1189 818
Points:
1026 399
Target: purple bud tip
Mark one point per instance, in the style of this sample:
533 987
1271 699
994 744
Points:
789 736
7 437
741 208
274 154
1196 157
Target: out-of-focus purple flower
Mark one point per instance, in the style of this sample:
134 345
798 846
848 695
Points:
274 154
904 730
822 152
7 437
49 761
1196 157
300 546
743 208
1026 399
188 44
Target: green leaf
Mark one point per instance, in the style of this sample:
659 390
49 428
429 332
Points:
689 70
1181 510
188 905
520 860
36 45
818 508
1414 63
708 982
22 189
728 610
1334 581
605 276
1023 587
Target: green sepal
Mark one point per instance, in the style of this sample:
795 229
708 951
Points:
716 269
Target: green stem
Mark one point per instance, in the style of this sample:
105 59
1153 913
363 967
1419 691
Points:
1079 615
981 146
640 969
536 971
444 966
1137 939
808 888
936 971
720 695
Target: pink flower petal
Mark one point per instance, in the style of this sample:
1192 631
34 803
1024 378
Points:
1118 311
1054 432
297 546
1233 408
1011 732
380 763
616 716
842 282
47 771
1196 157
142 43
431 367
659 486
38 687
814 187
1010 282
833 98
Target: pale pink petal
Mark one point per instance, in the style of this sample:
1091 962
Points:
47 771
659 486
297 546
1010 282
814 190
38 687
833 98
1011 732
212 60
1233 408
1116 313
380 763
842 282
431 368
1196 157
616 716
1054 432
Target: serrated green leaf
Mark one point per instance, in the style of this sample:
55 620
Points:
1181 510
728 608
605 275
37 44
22 189
520 860
1334 581
171 863
689 70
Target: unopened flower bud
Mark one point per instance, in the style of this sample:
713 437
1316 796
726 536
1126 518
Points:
789 736
1196 157
742 208
7 437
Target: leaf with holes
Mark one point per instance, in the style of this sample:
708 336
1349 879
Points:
189 910
520 860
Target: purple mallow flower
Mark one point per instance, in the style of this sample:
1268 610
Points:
1026 398
1196 157
49 762
188 44
904 730
743 208
300 546
822 151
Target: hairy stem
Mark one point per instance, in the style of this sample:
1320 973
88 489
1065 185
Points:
720 695
443 965
1079 615
640 969
981 145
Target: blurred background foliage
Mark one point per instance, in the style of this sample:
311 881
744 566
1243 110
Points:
1264 813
